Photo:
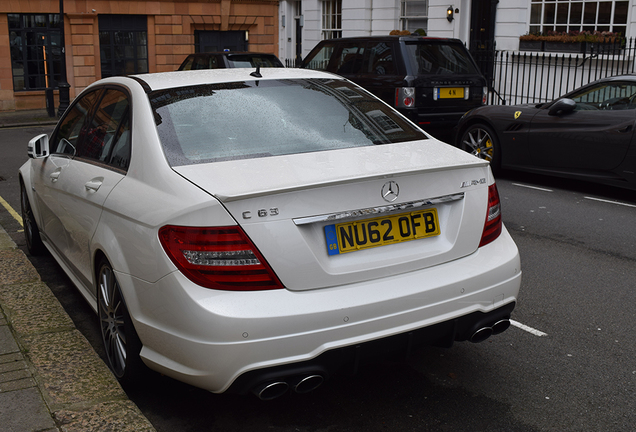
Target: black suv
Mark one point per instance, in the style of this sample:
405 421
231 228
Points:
432 81
222 60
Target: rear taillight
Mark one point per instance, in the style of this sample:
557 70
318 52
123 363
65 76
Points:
493 225
221 258
405 97
484 95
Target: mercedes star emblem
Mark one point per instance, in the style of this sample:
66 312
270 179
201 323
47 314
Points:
390 191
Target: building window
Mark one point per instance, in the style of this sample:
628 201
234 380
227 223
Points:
36 54
331 19
123 44
577 15
414 15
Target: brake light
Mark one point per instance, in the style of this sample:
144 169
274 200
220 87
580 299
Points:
221 258
493 225
405 97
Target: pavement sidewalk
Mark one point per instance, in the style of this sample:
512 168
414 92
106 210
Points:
51 379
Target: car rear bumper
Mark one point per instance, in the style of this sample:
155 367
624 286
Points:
217 339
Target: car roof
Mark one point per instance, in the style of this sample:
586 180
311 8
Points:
231 53
394 37
164 80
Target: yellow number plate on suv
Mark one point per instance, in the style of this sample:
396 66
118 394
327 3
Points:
368 233
449 93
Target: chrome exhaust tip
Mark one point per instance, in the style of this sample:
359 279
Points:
500 326
308 383
271 390
481 335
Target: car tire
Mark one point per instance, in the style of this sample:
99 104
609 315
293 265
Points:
119 336
480 140
34 243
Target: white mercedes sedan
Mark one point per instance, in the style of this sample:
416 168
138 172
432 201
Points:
249 230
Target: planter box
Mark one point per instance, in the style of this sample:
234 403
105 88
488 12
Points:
530 45
603 48
565 47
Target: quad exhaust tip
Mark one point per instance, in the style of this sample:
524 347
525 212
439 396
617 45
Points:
274 389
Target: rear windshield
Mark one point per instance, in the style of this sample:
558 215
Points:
430 58
242 120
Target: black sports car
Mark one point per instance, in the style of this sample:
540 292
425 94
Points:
586 134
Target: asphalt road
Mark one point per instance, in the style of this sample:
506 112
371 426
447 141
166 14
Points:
566 365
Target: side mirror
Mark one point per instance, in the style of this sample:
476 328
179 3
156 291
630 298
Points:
38 147
562 106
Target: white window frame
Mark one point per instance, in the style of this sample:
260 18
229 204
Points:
331 19
539 24
406 14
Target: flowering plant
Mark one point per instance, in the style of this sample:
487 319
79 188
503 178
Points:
574 36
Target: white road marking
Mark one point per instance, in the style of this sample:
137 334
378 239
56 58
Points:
532 187
528 329
610 202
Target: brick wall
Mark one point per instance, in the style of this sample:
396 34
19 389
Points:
171 27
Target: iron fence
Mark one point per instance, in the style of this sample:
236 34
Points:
536 77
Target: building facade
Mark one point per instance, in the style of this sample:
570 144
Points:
97 39
497 23
39 49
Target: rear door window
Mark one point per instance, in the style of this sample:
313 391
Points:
107 130
348 61
379 59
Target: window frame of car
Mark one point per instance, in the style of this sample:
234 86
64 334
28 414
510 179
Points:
126 121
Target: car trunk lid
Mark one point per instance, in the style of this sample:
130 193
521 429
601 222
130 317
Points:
284 203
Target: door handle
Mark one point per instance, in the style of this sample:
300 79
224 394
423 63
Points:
626 129
93 185
55 174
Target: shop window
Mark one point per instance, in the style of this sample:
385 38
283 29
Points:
36 54
123 44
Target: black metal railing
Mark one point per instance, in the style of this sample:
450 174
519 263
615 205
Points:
535 77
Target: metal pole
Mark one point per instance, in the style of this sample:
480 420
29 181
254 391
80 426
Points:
63 85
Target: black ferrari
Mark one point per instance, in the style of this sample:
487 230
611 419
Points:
586 134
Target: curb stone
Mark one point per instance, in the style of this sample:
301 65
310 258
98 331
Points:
51 379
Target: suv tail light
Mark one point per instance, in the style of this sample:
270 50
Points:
221 258
405 97
493 225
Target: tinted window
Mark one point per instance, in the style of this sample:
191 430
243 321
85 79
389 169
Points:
607 96
320 60
249 60
379 59
243 120
428 58
105 127
349 59
67 136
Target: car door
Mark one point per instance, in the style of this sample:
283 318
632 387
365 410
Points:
595 136
81 186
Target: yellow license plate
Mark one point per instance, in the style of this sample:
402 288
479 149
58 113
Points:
450 92
380 231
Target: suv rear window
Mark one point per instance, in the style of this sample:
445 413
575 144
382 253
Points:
219 122
429 58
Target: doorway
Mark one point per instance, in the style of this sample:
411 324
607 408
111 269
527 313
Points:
209 41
